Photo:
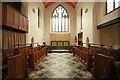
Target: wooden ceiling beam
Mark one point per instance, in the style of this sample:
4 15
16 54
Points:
47 3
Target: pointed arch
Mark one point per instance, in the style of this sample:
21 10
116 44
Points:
60 19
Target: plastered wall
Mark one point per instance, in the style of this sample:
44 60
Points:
35 30
95 16
72 21
110 34
87 20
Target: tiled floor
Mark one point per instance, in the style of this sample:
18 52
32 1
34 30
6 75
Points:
60 65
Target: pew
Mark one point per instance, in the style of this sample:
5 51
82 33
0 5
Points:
117 69
34 54
16 61
14 66
117 63
17 66
100 59
103 67
38 54
84 55
28 52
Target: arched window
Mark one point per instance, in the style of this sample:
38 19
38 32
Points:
60 20
112 5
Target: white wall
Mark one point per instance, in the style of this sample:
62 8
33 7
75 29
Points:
87 20
96 32
108 35
34 31
95 16
78 19
72 19
24 8
105 18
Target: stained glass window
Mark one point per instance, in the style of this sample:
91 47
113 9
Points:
60 20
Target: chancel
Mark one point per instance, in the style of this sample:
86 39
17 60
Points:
65 39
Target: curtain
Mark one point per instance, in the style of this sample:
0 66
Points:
10 38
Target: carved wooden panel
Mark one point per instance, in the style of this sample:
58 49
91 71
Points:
17 66
16 19
13 19
10 16
11 68
60 43
21 22
20 65
60 37
103 67
25 24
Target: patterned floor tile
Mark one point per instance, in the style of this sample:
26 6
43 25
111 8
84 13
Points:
41 74
60 65
38 72
79 74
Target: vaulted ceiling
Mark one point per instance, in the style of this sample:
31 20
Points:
47 3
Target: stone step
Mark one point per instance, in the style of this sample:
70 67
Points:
60 51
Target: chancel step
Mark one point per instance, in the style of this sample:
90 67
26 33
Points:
60 51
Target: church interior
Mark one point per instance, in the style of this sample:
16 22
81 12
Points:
60 39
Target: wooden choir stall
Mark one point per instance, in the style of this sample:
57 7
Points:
17 61
101 61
